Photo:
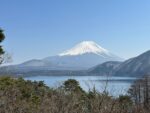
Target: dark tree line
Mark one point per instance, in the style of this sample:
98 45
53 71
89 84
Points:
140 92
20 96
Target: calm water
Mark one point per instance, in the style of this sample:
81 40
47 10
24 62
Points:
114 85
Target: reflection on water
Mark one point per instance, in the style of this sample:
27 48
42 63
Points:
114 85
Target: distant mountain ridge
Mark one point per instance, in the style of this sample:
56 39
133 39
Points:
81 57
137 66
105 69
87 58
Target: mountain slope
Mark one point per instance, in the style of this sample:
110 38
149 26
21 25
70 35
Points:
81 57
74 64
137 66
105 69
86 47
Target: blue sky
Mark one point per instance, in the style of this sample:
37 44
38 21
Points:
41 28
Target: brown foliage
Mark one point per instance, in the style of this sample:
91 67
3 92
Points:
20 96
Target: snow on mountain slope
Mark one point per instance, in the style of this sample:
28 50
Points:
86 47
84 55
81 57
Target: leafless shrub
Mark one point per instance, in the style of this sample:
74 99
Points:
20 96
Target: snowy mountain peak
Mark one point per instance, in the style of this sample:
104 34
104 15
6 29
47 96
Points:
85 47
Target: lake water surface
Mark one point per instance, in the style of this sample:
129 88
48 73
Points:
115 86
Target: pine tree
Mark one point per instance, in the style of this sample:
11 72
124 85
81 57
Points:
2 37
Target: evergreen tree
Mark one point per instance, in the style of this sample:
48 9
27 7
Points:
2 37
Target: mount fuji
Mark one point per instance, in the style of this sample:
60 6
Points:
81 57
86 47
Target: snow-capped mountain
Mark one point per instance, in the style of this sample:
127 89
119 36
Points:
86 58
89 47
86 47
81 57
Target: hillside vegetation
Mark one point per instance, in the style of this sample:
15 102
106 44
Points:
20 96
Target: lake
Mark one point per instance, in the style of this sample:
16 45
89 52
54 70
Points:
115 86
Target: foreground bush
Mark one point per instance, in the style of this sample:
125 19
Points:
20 96
140 92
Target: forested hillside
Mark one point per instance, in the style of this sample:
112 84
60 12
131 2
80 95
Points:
20 96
